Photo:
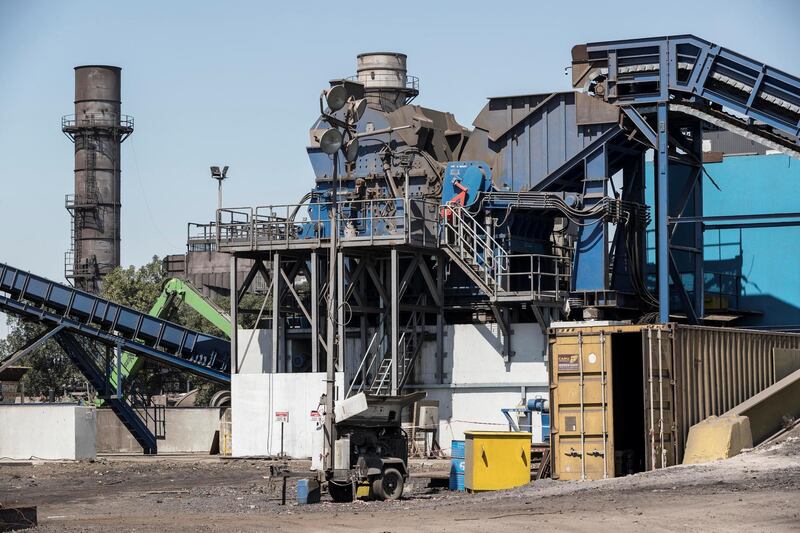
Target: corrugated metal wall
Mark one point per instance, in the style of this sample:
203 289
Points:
718 368
688 374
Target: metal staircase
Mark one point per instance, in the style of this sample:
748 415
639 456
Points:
376 365
471 247
82 206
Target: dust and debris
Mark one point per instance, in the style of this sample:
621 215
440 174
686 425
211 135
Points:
755 490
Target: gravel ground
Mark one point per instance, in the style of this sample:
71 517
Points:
756 491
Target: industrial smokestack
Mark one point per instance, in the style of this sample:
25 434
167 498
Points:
386 82
97 129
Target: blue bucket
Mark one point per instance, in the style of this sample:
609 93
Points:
545 427
307 491
457 465
457 449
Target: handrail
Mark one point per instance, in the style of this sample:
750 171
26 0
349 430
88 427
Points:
112 120
360 366
482 249
366 220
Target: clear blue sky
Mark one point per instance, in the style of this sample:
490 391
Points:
237 83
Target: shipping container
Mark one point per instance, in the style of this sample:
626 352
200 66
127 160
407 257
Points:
623 396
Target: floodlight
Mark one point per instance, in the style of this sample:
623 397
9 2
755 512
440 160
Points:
336 97
351 150
357 108
330 141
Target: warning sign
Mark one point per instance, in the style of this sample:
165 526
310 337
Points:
316 416
568 362
282 416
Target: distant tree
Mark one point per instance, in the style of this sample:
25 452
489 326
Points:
135 287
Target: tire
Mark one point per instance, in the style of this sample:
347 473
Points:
389 486
340 492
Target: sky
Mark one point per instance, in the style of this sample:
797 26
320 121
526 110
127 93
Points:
237 83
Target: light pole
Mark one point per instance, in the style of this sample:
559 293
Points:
220 176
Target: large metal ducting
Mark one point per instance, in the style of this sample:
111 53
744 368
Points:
97 129
387 84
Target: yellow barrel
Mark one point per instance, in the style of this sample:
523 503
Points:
497 460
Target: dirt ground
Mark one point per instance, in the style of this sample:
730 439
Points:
756 491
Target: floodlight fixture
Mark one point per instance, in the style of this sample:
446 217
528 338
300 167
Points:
331 141
351 150
356 108
336 97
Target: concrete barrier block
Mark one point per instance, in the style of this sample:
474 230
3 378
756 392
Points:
717 438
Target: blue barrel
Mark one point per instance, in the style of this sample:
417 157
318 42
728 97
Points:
457 465
308 491
545 427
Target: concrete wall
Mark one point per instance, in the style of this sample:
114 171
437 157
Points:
188 430
47 431
254 400
257 359
478 382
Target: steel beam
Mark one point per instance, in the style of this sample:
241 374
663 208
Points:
29 347
662 214
276 310
314 282
234 297
440 320
340 309
726 218
395 310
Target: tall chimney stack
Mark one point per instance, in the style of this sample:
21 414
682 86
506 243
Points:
97 129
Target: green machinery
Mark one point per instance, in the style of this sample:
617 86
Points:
175 292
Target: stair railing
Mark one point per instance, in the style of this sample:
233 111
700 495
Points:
471 243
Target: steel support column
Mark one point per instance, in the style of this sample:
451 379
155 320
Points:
591 255
395 310
662 214
340 312
314 281
440 321
234 297
276 311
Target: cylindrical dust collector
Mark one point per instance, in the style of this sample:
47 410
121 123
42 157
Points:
97 128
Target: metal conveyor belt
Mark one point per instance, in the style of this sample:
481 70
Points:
56 305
